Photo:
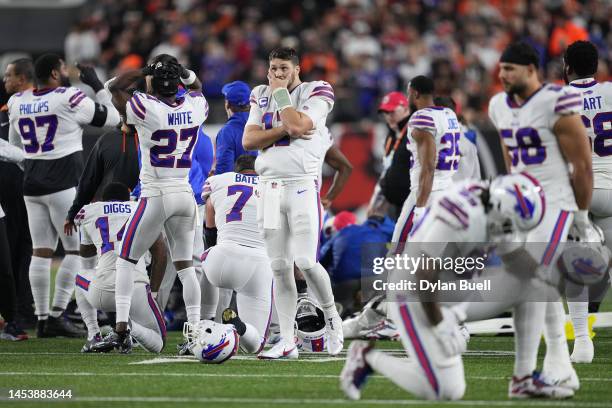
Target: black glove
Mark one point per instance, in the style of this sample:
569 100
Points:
184 72
88 76
148 70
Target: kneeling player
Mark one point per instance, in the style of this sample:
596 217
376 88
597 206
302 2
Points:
239 260
102 226
430 334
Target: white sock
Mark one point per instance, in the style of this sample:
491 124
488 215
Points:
40 281
191 293
319 283
579 312
89 314
64 281
124 288
210 298
285 300
557 352
150 339
528 322
251 341
405 373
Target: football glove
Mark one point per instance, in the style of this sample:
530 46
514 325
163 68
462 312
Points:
87 75
449 334
583 230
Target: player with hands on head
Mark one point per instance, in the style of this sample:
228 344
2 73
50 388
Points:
47 122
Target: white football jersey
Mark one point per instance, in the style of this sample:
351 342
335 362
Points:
597 118
49 121
326 143
456 216
526 131
445 128
234 201
469 164
292 159
167 135
102 224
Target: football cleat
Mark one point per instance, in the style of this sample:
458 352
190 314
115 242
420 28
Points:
13 332
183 349
561 377
533 386
120 341
584 351
58 327
90 342
356 370
335 337
281 350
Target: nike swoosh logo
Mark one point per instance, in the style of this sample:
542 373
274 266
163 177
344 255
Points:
3 124
300 191
286 353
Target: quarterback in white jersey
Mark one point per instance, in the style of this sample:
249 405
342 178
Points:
101 228
459 222
239 260
541 130
167 128
287 124
433 140
581 59
47 122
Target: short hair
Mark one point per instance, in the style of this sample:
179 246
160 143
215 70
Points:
446 101
239 108
25 67
284 53
582 58
45 64
522 53
116 191
422 84
244 162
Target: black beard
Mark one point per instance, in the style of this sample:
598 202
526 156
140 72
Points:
65 81
516 89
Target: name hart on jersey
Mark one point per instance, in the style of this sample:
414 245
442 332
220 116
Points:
246 178
179 118
36 107
592 103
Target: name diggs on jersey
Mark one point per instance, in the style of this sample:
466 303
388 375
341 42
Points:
36 107
117 208
179 118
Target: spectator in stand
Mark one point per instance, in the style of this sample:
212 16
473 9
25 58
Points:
229 139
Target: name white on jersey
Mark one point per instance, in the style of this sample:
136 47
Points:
234 201
527 132
49 121
444 126
292 159
597 118
102 224
167 135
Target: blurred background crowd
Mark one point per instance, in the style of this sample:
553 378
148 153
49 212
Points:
364 48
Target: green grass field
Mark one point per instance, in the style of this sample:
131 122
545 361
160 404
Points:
146 380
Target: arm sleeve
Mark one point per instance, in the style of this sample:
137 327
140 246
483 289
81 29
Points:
10 153
135 109
491 112
225 151
316 108
423 121
208 188
14 137
200 101
89 181
256 113
84 236
568 103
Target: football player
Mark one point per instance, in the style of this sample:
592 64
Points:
581 60
457 223
287 124
433 139
239 260
48 123
101 228
542 133
167 128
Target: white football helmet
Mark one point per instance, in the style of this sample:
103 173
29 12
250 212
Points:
516 204
585 263
310 322
210 342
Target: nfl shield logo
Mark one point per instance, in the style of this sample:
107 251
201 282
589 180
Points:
274 184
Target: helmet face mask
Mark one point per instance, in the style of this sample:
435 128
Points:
310 322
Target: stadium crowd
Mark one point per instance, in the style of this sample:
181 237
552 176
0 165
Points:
364 48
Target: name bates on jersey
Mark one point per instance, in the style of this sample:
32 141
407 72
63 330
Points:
292 158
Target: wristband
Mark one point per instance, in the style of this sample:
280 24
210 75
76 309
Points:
190 79
282 98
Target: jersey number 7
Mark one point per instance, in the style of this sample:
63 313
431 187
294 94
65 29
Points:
245 192
27 128
163 155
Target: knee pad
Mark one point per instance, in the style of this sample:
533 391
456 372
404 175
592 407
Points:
305 263
454 391
279 264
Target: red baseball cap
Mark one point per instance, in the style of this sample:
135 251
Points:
344 219
391 101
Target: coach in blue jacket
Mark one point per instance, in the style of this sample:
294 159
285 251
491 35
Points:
229 139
